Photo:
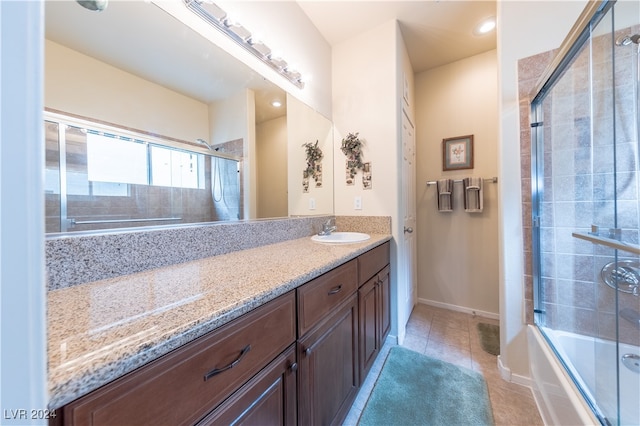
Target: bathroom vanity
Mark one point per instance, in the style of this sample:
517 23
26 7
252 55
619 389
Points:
260 337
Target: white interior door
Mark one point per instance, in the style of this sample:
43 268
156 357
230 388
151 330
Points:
407 289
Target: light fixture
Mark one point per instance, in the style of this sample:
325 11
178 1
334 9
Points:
218 18
276 103
485 26
238 30
260 47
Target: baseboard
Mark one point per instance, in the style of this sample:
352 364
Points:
457 308
391 339
521 380
505 372
507 375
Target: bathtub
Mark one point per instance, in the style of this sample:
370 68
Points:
559 399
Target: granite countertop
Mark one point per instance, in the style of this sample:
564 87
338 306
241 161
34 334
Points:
102 330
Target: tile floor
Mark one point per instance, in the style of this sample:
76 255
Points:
452 336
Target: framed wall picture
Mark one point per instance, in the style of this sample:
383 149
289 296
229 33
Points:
457 153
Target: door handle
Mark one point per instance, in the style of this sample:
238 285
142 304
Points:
408 230
216 371
335 290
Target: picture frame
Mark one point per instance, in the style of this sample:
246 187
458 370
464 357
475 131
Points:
457 153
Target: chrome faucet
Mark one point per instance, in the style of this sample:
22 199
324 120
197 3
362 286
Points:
327 228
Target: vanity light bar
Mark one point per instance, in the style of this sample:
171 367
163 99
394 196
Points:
214 15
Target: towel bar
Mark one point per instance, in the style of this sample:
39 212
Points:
492 180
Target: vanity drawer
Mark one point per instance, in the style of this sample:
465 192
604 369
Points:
184 385
371 262
319 296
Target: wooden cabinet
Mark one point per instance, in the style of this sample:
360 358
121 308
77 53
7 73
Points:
267 399
328 377
369 304
297 359
384 286
374 305
184 385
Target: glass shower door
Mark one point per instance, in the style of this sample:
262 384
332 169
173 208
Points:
586 216
618 253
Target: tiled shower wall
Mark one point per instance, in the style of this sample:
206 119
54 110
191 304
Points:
579 187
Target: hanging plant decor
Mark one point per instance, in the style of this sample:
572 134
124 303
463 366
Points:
314 165
352 148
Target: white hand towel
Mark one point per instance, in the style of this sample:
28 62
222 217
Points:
445 195
473 194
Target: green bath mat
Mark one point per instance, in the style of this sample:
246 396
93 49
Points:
489 337
414 389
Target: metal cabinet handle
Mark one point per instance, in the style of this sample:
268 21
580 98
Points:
307 351
408 230
335 290
216 371
293 367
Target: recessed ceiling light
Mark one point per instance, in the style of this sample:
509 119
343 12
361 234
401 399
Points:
485 26
276 104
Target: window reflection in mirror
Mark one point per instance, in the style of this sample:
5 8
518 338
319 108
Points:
102 177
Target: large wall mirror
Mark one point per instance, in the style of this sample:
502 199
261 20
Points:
148 123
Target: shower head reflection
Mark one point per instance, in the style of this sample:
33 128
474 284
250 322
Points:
96 5
205 143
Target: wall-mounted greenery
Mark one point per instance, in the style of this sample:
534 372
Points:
352 148
314 158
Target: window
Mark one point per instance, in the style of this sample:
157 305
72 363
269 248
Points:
125 161
179 169
115 160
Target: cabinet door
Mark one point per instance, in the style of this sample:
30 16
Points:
267 399
369 310
384 286
328 373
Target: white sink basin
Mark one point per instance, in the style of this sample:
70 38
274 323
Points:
341 237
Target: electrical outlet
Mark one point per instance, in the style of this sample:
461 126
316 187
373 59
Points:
357 203
312 203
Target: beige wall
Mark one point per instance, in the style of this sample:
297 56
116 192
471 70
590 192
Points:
458 251
368 72
228 118
364 101
271 154
304 125
74 82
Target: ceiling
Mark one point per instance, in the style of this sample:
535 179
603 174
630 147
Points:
140 38
435 32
